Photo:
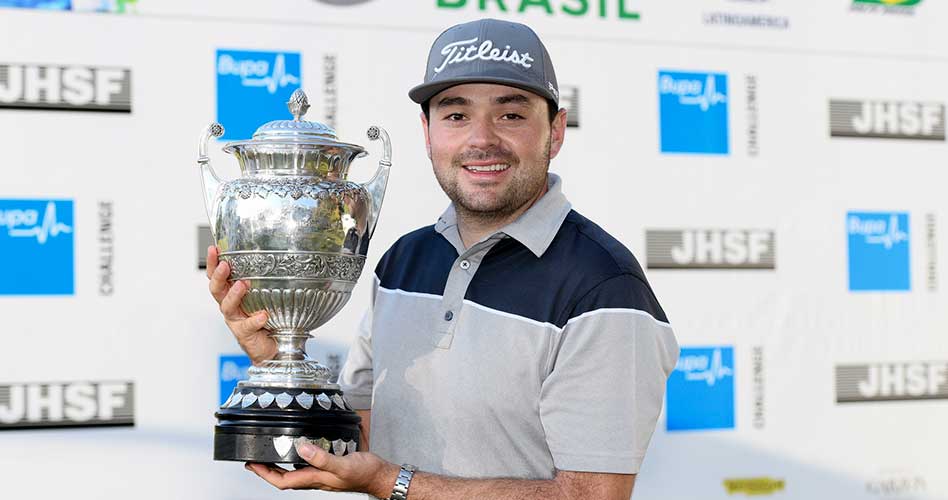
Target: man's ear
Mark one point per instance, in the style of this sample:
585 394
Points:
558 133
424 126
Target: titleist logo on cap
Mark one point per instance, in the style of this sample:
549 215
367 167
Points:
468 50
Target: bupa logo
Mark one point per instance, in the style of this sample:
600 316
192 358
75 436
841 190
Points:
701 390
253 88
38 4
710 249
887 120
70 88
36 247
694 112
878 251
232 370
891 382
75 404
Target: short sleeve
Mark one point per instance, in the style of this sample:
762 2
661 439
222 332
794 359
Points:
356 378
605 390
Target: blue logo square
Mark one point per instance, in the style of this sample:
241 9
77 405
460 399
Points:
232 369
694 112
36 247
38 4
253 88
878 251
701 390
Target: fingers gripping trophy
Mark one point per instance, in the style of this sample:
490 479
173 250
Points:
296 231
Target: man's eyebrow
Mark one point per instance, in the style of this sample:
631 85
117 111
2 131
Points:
512 99
452 101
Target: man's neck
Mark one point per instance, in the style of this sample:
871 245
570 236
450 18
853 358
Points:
473 227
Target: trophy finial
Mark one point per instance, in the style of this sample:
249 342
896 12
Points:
298 104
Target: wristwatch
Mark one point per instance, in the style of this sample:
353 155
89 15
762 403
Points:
400 491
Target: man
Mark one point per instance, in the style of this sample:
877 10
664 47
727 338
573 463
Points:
513 350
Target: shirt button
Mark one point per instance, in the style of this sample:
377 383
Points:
448 316
465 264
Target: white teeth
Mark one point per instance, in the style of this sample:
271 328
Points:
488 168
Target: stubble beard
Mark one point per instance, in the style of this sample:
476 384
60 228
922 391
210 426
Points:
522 189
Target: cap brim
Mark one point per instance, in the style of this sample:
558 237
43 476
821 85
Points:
424 92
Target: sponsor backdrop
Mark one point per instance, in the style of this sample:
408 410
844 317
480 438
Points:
777 166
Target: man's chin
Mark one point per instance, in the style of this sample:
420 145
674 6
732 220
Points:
484 208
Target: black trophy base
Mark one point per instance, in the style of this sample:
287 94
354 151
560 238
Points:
260 424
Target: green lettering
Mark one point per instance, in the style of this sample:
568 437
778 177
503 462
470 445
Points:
536 3
624 14
602 8
500 5
451 4
577 11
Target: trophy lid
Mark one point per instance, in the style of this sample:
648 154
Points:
297 128
296 132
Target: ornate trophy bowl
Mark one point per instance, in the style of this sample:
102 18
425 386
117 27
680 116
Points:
297 232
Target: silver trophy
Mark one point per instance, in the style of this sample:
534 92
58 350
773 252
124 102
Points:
297 231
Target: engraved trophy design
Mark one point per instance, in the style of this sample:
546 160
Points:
297 232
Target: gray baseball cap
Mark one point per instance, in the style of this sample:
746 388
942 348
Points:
488 51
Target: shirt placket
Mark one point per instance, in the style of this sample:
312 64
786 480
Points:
460 277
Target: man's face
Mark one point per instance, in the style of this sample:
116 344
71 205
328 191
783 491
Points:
490 146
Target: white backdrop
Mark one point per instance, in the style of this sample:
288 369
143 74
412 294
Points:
795 324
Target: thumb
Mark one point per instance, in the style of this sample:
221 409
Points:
315 455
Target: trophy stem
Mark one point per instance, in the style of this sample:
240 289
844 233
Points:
291 344
291 367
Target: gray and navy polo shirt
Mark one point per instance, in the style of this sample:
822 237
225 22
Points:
540 348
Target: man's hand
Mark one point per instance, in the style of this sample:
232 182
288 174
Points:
360 472
365 472
248 330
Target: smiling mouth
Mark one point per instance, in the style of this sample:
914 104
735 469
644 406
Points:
497 167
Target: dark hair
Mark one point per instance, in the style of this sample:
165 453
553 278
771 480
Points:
551 108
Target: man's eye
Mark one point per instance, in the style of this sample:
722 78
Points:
512 116
455 117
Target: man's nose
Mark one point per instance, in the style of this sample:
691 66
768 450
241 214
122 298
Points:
483 134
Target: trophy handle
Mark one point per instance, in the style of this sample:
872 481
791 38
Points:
209 179
377 185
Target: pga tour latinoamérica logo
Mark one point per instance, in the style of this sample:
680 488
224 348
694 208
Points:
253 88
701 390
878 251
694 112
36 247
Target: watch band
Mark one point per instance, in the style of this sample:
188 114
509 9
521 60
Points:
400 491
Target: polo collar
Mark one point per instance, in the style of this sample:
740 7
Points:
534 229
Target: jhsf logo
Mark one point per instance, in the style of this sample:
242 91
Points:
76 404
253 88
887 120
710 249
694 112
71 88
878 251
701 390
36 247
891 382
